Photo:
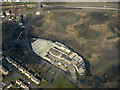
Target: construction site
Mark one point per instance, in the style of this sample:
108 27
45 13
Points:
59 55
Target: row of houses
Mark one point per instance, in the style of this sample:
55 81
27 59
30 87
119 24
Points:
19 82
24 71
8 86
4 71
8 15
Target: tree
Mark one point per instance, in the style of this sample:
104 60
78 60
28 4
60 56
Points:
41 5
10 12
4 14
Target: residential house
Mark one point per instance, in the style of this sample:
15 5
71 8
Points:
27 73
21 69
10 85
34 79
4 71
23 85
15 64
8 59
18 82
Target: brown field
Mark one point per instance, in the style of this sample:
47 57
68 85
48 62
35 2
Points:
91 34
84 32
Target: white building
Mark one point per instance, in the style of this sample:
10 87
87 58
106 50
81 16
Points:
46 48
21 69
2 16
8 59
34 79
20 24
7 13
23 85
9 19
4 71
1 13
15 64
18 82
28 74
37 13
10 85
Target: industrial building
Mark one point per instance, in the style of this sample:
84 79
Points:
58 54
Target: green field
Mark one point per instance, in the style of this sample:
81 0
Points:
61 82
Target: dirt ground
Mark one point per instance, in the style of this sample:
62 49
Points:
85 32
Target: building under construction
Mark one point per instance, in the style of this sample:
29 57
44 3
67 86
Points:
59 55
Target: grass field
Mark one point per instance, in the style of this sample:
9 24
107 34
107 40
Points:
61 82
85 32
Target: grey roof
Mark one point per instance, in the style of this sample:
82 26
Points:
44 47
66 57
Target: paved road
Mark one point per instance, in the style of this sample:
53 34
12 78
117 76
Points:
81 7
105 8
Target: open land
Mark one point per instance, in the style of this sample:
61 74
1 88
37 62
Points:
93 34
86 33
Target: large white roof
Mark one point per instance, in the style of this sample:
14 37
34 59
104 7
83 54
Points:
41 46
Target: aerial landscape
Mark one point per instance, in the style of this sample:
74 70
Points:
60 45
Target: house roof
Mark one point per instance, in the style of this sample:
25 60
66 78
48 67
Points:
66 57
21 67
35 78
14 62
19 81
28 72
23 85
4 69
